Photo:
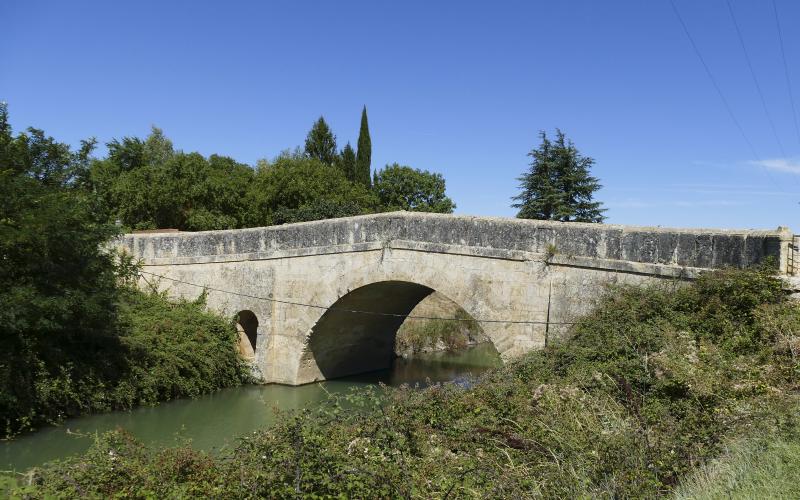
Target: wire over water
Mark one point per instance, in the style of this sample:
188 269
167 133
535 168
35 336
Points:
356 311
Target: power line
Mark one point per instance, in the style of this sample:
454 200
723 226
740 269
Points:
714 81
786 70
755 80
721 95
356 311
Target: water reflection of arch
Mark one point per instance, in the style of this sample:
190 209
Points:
247 326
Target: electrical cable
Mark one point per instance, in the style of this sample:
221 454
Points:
714 81
356 311
786 70
719 92
755 80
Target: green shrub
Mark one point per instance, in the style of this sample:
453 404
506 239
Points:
423 334
155 350
648 388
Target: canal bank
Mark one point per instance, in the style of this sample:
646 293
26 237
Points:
215 421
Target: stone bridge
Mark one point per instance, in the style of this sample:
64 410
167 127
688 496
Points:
324 299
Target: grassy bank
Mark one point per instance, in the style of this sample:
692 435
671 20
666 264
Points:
152 350
647 393
758 467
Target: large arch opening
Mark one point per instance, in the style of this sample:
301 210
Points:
247 326
358 333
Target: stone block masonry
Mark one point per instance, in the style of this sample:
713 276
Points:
330 295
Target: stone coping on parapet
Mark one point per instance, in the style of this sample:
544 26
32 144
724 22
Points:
698 248
781 230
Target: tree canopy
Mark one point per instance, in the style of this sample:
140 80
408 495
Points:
558 185
293 188
74 336
405 188
57 285
148 184
321 143
347 162
145 184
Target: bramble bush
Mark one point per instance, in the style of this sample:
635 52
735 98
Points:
649 388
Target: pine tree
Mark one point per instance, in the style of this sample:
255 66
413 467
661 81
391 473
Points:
558 185
321 143
347 162
364 155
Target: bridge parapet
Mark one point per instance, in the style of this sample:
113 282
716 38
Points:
497 237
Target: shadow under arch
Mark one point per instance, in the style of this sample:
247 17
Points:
344 342
247 326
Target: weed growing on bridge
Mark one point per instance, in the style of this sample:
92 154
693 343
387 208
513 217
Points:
650 387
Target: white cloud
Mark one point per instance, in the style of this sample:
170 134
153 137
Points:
788 165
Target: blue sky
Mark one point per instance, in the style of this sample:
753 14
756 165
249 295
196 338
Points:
460 88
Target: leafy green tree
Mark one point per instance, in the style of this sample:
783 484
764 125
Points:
347 162
405 188
364 155
147 185
321 143
292 187
157 149
127 154
558 185
57 285
75 337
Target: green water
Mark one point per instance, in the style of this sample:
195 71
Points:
216 420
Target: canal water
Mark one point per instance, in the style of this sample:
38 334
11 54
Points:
215 421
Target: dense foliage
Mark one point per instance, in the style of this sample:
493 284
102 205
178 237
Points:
294 188
347 162
651 385
558 185
321 143
57 288
147 184
74 336
405 188
152 350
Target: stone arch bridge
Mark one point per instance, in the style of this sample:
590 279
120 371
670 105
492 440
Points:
296 287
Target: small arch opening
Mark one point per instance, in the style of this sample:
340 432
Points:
247 326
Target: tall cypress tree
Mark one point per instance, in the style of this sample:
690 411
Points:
558 185
364 154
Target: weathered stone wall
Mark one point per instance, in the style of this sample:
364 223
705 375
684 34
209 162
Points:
700 248
500 271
